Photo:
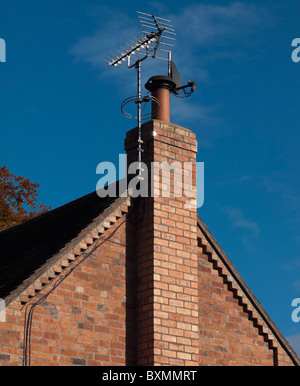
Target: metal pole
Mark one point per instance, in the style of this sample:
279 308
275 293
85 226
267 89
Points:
139 95
169 63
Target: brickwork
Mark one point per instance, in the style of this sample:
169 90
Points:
227 336
157 292
83 321
231 331
167 303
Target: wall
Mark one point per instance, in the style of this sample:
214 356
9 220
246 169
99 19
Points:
148 296
91 318
82 322
230 333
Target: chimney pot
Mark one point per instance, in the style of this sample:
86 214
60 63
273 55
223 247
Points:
160 87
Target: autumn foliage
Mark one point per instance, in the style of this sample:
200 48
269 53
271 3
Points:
18 199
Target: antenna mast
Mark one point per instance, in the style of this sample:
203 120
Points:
155 30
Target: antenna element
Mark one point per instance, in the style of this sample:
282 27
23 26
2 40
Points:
156 32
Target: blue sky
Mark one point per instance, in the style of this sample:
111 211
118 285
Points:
60 117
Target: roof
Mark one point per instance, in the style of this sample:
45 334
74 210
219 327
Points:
26 247
29 249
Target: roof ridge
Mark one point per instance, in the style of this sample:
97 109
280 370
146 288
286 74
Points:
69 204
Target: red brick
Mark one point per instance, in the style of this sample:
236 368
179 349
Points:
148 296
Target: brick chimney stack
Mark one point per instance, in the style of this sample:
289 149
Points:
166 247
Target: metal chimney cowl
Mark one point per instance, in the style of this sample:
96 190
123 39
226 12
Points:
160 87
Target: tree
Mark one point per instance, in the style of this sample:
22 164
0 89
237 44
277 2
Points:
18 199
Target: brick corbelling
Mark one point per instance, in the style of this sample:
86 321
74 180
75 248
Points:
279 357
71 253
237 292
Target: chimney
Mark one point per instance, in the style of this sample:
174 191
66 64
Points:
160 87
166 308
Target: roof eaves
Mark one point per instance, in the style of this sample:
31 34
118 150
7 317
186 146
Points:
58 262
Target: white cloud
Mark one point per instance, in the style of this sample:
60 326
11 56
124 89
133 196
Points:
205 23
234 180
278 183
187 110
114 29
249 229
213 32
205 33
296 285
196 25
292 266
239 221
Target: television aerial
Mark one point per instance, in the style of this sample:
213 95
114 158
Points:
156 40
